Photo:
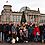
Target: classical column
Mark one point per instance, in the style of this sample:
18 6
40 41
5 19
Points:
33 18
26 17
39 19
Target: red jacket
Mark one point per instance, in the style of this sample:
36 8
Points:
36 29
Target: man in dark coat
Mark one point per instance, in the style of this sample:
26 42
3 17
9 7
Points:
44 32
41 32
9 34
17 29
0 32
3 31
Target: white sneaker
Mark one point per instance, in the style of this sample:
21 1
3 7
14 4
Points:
13 41
26 41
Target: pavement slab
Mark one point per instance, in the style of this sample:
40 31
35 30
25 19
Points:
31 43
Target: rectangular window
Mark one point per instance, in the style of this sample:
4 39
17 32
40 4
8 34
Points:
8 18
11 18
18 18
41 21
14 18
35 16
28 17
44 21
2 18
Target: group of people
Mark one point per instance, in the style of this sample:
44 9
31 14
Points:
22 33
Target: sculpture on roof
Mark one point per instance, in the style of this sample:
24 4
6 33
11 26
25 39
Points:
24 9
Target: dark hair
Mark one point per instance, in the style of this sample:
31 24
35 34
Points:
11 24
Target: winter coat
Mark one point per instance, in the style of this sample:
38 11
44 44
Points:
17 29
21 32
7 27
25 31
0 27
4 28
41 29
36 29
13 29
30 29
14 32
44 30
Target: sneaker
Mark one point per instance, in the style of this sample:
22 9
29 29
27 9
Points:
26 41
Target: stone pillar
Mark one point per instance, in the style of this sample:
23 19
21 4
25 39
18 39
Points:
26 17
33 18
39 19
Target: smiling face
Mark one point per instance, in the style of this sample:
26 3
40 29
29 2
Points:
31 25
20 30
9 23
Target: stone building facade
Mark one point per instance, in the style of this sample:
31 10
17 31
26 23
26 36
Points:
9 16
0 18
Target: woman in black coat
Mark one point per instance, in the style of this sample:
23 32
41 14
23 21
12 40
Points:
41 32
44 31
0 32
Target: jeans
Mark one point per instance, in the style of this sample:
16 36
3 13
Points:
36 38
0 36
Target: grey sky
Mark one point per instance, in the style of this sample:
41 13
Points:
17 4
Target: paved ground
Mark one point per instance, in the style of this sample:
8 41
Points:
31 43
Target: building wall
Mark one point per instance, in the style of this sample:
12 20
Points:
9 16
0 18
42 19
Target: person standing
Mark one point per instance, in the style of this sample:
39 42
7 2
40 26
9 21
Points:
44 32
14 33
41 32
0 32
25 31
7 32
4 28
17 29
30 31
36 33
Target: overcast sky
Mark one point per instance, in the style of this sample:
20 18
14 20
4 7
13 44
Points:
17 4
